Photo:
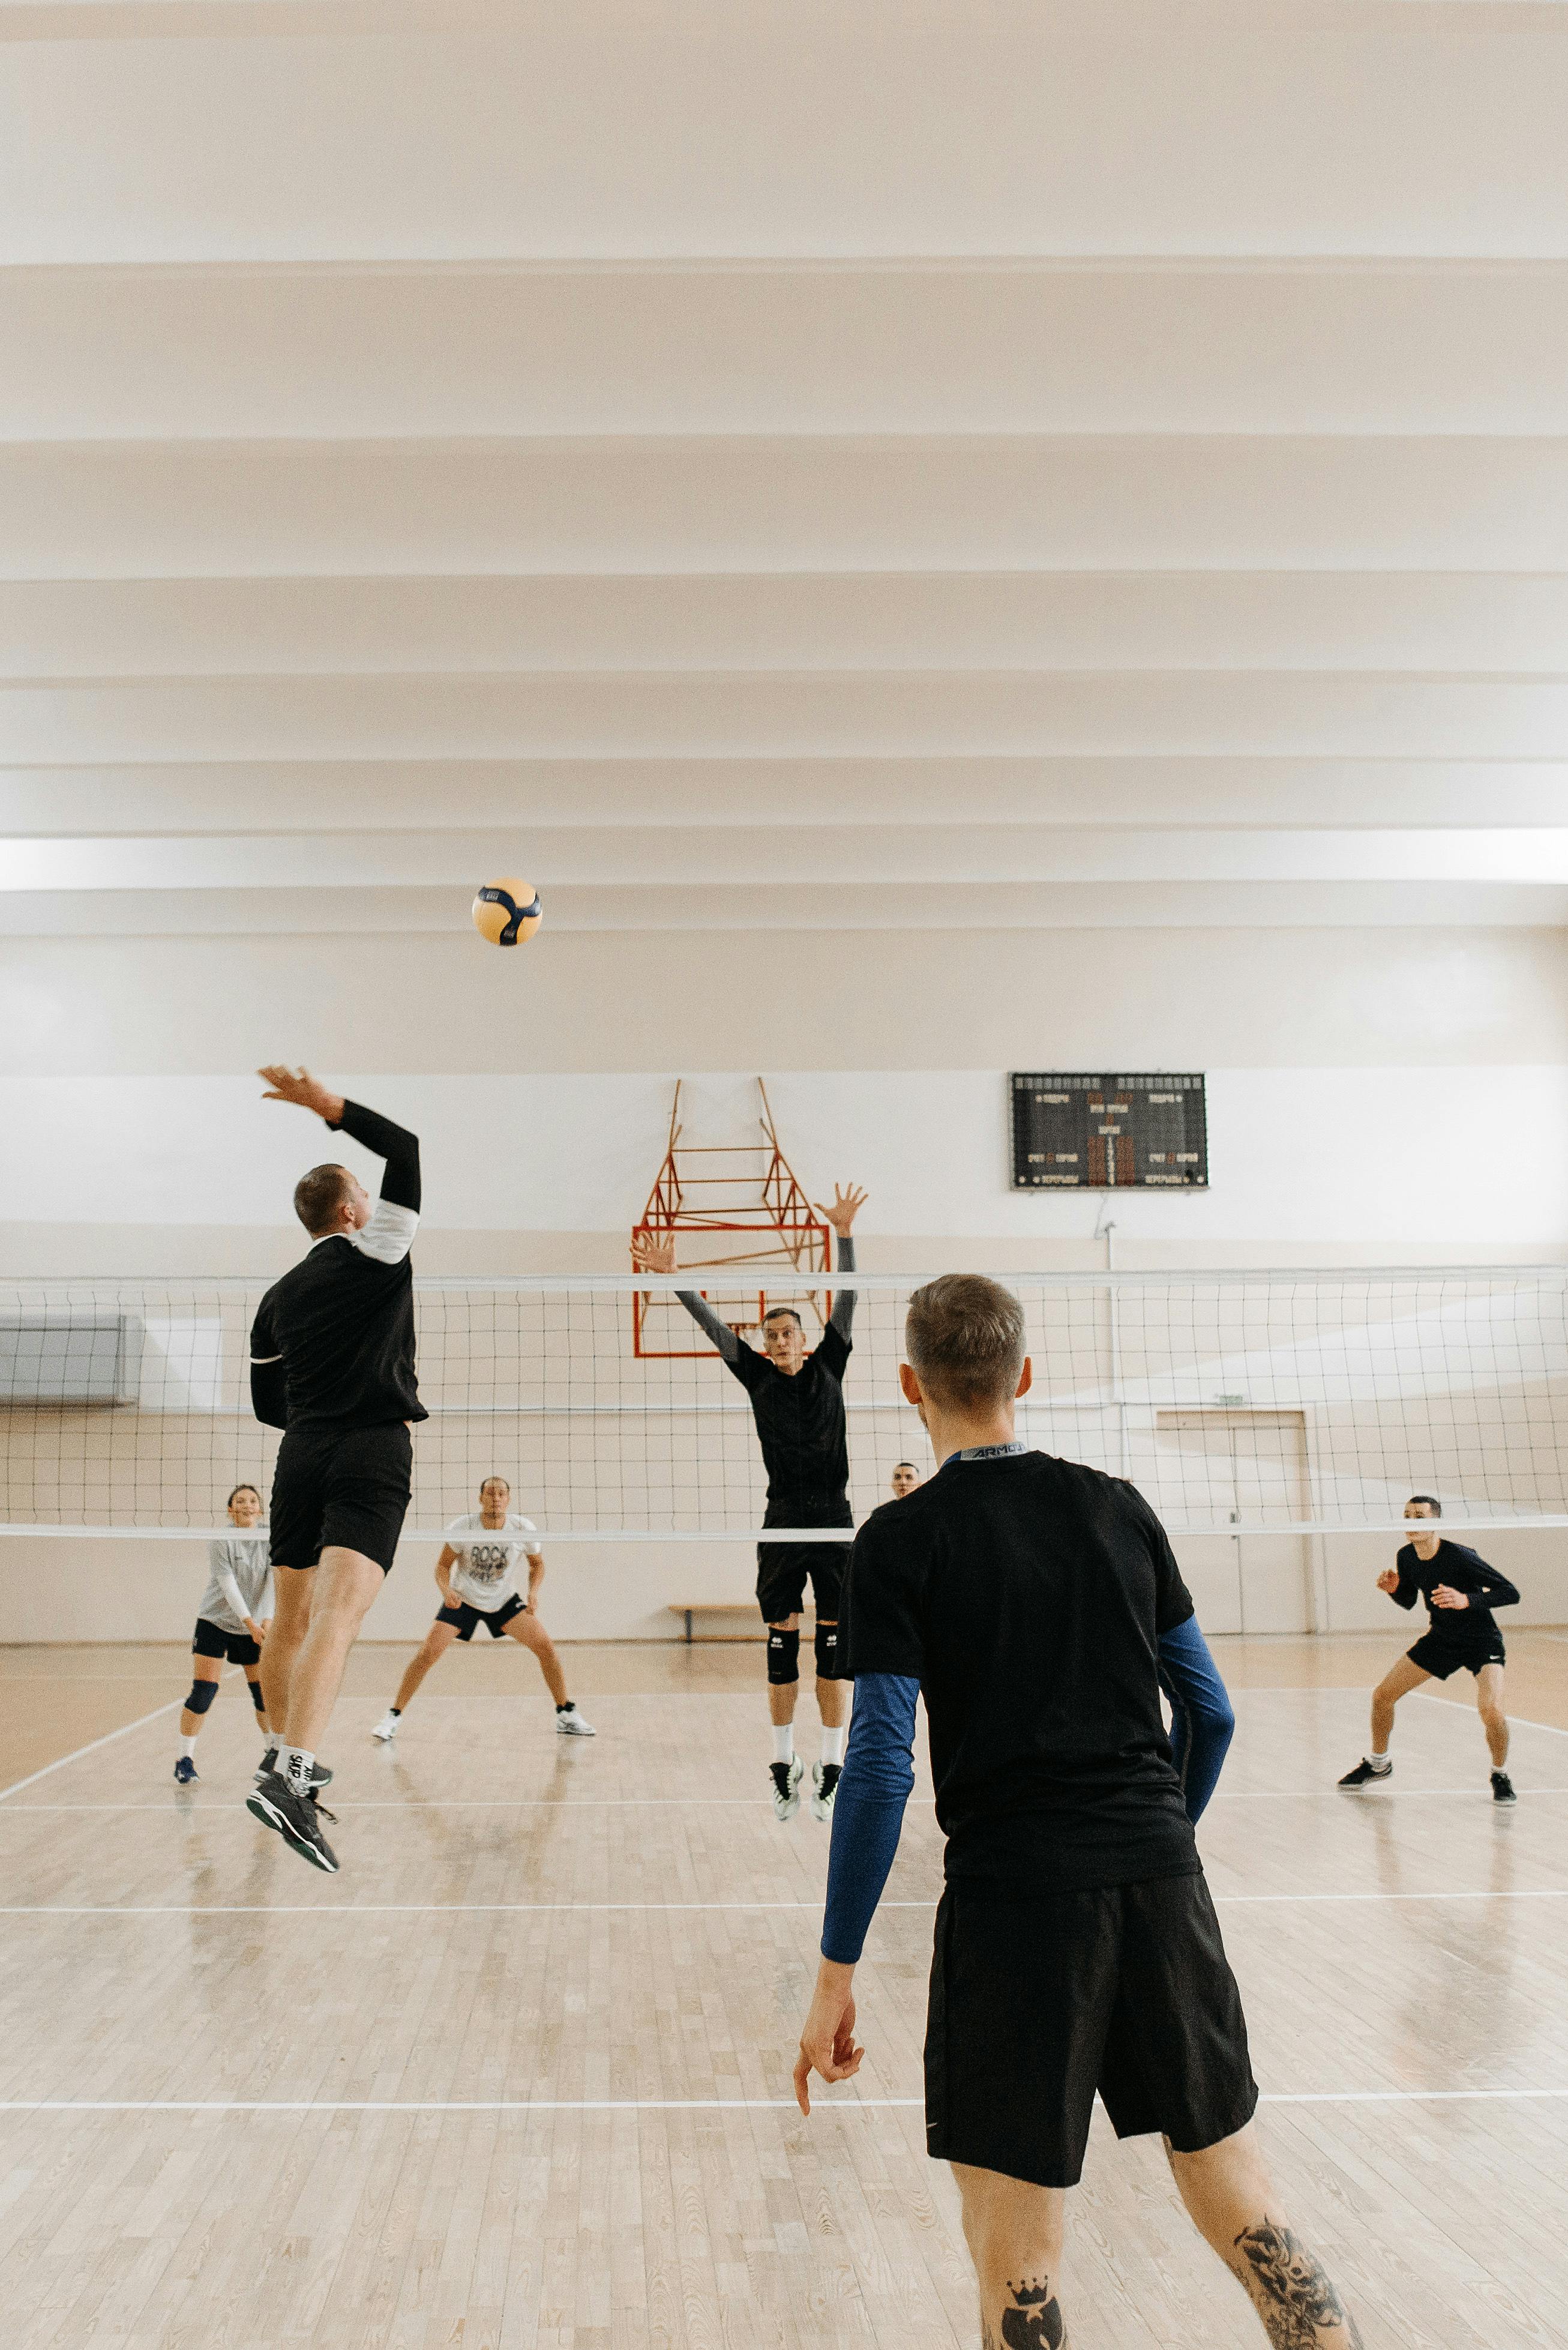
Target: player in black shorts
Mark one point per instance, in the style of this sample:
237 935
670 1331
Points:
797 1403
332 1364
1077 1947
1460 1591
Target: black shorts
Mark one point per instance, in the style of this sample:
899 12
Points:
1440 1657
234 1647
469 1618
348 1487
1037 2002
783 1568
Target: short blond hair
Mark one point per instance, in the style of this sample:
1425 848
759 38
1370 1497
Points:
964 1338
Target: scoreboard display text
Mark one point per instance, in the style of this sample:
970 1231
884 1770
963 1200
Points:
1075 1132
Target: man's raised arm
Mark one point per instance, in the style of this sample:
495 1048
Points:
658 1256
846 1206
389 1236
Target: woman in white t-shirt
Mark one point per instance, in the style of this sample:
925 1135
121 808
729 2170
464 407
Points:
231 1622
477 1575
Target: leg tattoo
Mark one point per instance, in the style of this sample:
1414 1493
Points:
1295 2299
1033 2323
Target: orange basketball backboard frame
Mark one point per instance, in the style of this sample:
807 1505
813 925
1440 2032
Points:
705 1194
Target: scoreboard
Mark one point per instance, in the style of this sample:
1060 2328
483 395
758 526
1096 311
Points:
1072 1131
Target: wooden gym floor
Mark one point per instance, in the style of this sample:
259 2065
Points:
519 2075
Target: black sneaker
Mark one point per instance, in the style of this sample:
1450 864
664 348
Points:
279 1806
1367 1774
1502 1788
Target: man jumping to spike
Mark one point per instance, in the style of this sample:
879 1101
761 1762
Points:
332 1364
797 1403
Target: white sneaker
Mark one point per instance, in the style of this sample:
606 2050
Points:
825 1778
786 1778
569 1723
387 1728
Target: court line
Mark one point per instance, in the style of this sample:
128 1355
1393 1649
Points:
175 1705
681 2105
624 1909
1515 1720
174 1809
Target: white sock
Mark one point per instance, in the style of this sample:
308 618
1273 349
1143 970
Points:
1380 1762
296 1763
832 1744
188 1749
784 1741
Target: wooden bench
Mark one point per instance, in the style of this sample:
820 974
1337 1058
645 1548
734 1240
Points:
746 1611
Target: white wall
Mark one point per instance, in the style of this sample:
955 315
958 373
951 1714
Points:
1376 1097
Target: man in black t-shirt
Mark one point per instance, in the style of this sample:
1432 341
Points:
1460 1591
1077 1947
797 1403
332 1364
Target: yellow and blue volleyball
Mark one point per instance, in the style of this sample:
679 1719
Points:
507 913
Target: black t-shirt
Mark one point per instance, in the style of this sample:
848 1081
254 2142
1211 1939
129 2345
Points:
332 1345
1462 1569
800 1422
1026 1595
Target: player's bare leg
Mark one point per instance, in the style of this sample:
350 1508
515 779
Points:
293 1587
203 1668
346 1582
258 1697
529 1633
833 1704
436 1643
1397 1683
1231 2201
1494 1722
1014 2230
786 1767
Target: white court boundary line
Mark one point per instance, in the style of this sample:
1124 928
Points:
175 1705
683 2104
657 1908
174 1809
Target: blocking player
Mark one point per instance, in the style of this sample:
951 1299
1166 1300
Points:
477 1576
906 1477
1460 1591
797 1403
231 1623
332 1364
1076 1947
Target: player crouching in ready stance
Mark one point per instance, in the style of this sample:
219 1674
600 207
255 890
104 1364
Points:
1076 1946
477 1575
1460 1591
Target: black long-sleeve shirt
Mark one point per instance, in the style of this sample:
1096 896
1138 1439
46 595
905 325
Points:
332 1345
1462 1569
800 1420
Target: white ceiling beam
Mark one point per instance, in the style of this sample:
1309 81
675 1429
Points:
346 354
1186 714
1471 622
288 509
800 906
517 796
797 127
871 858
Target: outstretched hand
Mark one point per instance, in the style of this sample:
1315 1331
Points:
653 1256
1389 1580
846 1206
297 1086
828 2036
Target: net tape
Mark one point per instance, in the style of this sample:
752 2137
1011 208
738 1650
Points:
1309 1402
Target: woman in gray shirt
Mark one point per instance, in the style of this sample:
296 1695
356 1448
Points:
231 1623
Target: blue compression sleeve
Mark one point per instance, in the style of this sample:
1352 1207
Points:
1202 1724
868 1811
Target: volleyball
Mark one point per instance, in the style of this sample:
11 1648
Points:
507 913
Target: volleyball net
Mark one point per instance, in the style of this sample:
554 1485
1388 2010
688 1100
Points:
1285 1403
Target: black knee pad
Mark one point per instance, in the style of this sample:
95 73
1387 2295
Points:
200 1697
256 1698
827 1652
784 1656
